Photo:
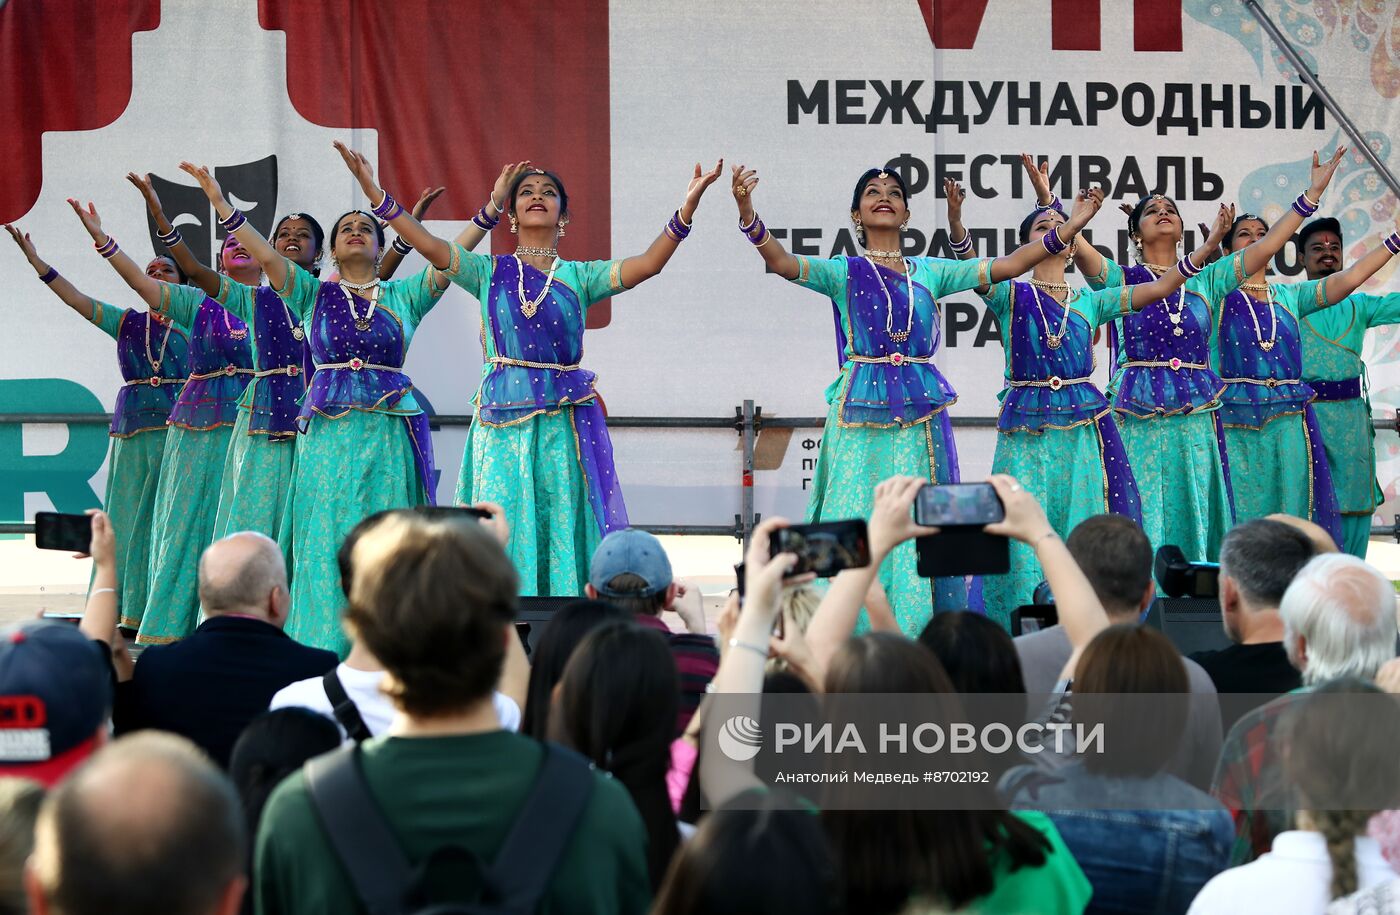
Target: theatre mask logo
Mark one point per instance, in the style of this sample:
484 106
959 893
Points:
251 187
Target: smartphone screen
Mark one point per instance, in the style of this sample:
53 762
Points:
958 505
57 531
824 548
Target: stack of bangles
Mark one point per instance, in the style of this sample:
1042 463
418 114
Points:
1392 242
388 209
1305 206
402 246
961 247
755 231
170 239
1052 242
233 221
108 248
483 218
676 227
1187 268
48 276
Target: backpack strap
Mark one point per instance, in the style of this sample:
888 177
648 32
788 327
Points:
541 831
357 830
344 708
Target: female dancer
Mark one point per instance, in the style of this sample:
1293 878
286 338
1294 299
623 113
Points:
1164 391
153 354
192 469
1271 429
258 466
1332 367
1055 432
888 408
539 446
366 444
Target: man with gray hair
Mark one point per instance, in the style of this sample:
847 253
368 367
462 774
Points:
1258 561
1338 620
145 825
208 686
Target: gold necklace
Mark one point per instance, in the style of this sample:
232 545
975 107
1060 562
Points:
528 307
532 251
883 255
1255 287
1157 268
1050 287
1265 345
1053 340
155 363
896 336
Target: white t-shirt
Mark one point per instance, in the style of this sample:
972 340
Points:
1294 876
362 686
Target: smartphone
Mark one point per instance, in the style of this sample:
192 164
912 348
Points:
824 548
1033 618
958 505
57 531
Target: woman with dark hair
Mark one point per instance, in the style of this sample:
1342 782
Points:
569 625
153 354
539 444
258 466
999 861
617 704
1165 390
1341 740
888 409
1055 431
1270 425
976 653
273 746
366 444
757 855
201 423
1094 801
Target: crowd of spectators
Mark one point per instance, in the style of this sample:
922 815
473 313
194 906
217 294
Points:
439 764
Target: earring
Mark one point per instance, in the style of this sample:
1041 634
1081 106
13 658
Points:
860 229
514 226
904 225
1137 248
562 223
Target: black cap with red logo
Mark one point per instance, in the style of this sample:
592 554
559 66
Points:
55 699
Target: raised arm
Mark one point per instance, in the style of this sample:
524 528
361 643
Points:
437 250
743 183
1340 285
891 523
400 248
480 225
1257 255
641 267
207 280
1144 294
100 614
127 269
1081 613
958 238
65 290
274 265
1021 260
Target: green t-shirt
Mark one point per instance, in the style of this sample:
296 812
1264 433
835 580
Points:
464 791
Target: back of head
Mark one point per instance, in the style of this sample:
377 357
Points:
431 599
976 653
174 844
567 628
1261 557
618 701
1116 556
1341 759
274 745
1132 660
631 569
883 662
19 808
753 856
1339 619
239 573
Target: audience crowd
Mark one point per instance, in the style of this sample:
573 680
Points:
443 765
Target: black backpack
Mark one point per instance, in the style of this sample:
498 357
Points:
388 884
344 708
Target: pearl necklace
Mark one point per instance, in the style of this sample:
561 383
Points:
361 323
155 363
1265 345
1053 340
1172 316
896 336
528 307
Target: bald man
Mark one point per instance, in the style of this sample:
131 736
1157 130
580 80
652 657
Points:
208 686
146 825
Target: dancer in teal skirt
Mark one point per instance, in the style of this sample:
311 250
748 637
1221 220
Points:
154 357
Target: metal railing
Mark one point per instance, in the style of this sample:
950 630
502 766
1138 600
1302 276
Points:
748 422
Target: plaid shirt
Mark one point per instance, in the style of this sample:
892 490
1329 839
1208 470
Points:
697 659
1250 780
